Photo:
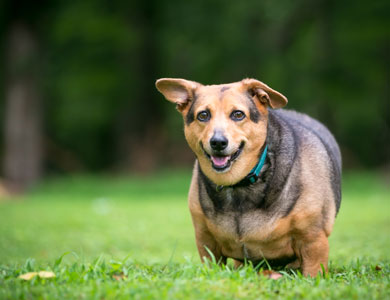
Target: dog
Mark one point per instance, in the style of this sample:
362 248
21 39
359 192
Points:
266 183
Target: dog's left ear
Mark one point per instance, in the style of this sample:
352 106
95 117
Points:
264 93
179 91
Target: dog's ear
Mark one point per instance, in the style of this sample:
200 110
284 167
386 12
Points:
179 91
264 93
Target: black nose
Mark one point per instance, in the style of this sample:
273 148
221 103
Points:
218 142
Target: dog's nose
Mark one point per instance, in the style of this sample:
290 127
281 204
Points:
218 142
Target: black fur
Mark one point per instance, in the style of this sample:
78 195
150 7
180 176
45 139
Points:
265 193
254 113
327 140
270 192
191 115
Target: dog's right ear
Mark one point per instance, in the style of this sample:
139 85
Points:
179 91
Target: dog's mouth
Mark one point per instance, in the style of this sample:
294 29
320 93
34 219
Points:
222 162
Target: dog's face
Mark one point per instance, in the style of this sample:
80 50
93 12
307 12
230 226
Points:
225 125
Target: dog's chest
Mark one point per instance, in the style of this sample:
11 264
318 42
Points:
251 235
236 213
243 228
217 201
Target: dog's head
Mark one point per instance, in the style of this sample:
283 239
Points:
225 125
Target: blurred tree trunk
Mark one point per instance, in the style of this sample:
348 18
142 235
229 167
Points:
141 137
23 108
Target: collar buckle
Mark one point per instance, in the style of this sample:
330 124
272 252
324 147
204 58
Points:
254 174
252 178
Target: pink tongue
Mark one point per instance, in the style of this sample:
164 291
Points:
220 161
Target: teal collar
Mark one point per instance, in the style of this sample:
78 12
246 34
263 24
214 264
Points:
253 174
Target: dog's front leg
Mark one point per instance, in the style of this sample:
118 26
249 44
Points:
207 245
312 252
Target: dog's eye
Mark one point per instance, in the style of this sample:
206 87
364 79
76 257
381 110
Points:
237 115
203 116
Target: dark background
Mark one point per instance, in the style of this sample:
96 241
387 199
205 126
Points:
77 79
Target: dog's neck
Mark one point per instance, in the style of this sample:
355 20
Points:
264 193
243 196
254 174
263 165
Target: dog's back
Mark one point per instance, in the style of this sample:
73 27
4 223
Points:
314 135
266 183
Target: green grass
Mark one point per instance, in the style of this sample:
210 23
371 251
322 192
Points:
132 238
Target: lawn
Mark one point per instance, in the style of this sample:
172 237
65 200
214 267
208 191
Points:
132 238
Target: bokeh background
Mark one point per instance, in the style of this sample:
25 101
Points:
94 166
77 77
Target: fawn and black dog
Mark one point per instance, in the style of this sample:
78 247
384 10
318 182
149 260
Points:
266 182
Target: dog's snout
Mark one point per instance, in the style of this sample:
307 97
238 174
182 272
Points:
218 142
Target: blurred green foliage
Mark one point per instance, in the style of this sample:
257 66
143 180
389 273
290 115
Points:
101 59
87 229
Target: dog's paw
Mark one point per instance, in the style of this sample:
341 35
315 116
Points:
296 264
271 274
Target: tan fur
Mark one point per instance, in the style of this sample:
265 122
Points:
202 233
272 238
252 134
304 231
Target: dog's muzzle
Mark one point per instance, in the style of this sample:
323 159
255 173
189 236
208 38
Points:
221 162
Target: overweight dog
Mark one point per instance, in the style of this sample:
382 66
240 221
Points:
266 182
